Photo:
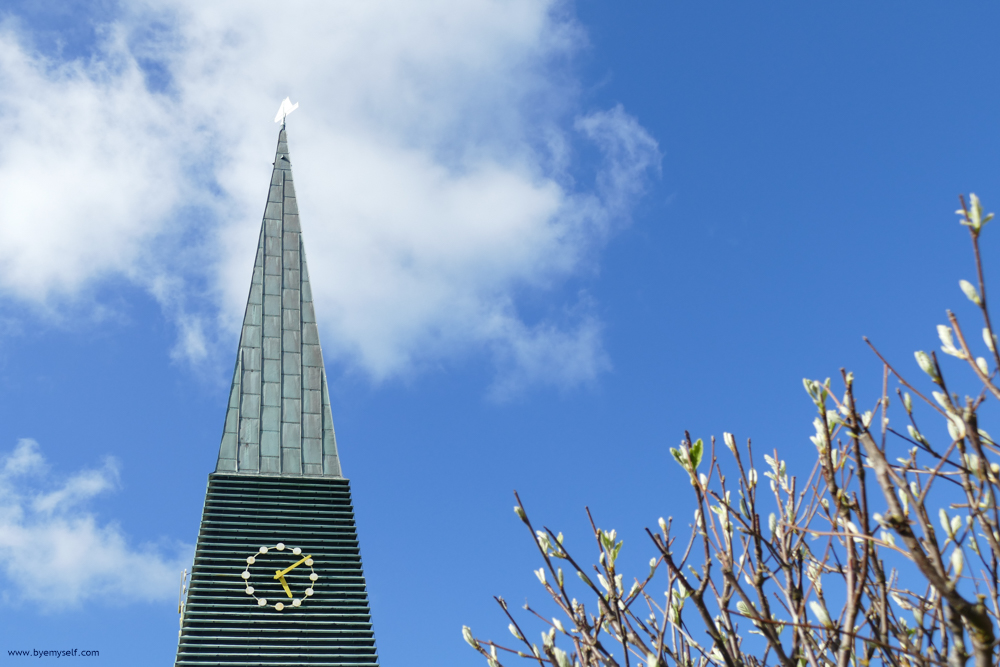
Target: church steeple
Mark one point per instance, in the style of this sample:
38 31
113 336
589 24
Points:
279 419
277 576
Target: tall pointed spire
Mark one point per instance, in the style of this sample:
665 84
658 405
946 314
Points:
277 502
279 419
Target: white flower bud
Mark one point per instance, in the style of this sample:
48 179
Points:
514 631
957 562
989 340
947 343
970 292
820 613
559 626
946 523
540 573
730 441
470 640
663 524
519 511
926 363
956 427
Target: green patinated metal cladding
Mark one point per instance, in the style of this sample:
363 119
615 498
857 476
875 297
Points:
278 479
278 420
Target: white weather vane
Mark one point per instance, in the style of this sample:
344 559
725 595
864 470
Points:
286 108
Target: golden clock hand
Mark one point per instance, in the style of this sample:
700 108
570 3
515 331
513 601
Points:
284 584
291 567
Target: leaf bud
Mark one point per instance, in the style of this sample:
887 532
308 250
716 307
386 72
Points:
519 511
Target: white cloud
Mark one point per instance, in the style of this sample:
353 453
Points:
84 559
432 153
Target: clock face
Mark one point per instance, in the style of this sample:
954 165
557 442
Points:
280 577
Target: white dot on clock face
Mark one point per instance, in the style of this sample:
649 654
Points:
309 562
251 560
296 551
261 602
313 577
279 606
280 546
296 602
263 550
249 590
245 575
309 592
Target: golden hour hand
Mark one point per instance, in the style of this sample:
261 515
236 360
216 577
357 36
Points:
284 584
278 574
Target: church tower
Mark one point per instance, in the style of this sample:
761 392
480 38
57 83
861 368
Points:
277 576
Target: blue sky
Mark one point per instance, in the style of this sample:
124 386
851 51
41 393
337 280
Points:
545 239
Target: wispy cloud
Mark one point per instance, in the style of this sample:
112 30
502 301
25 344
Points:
435 153
85 558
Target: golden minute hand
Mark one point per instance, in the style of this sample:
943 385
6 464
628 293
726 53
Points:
291 567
